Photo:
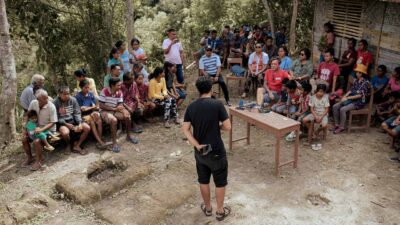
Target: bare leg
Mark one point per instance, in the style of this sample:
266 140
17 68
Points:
95 132
37 144
114 122
28 153
206 194
64 132
220 196
85 133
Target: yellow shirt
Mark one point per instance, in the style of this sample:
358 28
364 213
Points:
92 86
157 90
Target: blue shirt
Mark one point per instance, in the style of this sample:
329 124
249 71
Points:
286 64
210 64
125 57
83 100
378 82
215 43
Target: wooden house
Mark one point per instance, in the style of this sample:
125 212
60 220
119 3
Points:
377 21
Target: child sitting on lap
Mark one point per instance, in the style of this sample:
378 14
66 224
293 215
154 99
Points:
31 127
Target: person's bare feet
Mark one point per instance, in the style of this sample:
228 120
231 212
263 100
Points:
26 162
37 166
67 150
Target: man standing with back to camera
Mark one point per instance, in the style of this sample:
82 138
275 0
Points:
208 117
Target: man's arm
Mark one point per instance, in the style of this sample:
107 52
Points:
188 133
334 83
166 51
226 125
103 106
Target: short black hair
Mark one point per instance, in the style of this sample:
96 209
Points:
207 31
307 53
285 81
227 27
330 26
114 66
137 75
365 42
306 86
113 81
291 84
32 113
170 30
321 87
383 68
277 59
83 83
214 31
204 85
331 51
397 70
80 73
284 49
135 40
119 43
353 40
269 38
127 76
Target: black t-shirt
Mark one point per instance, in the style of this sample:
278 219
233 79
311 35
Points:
205 114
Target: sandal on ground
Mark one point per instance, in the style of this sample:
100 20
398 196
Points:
132 140
103 146
136 130
222 216
205 211
395 159
116 149
338 131
79 151
49 148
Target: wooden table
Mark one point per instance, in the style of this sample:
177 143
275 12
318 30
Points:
273 123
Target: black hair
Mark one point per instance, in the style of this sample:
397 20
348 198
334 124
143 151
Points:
330 51
113 66
321 87
330 26
157 72
127 76
291 84
32 113
276 58
365 42
307 53
383 68
306 86
137 65
285 81
135 40
284 49
83 83
214 31
397 70
269 38
204 85
112 52
256 27
207 31
137 75
394 94
167 66
170 30
113 81
227 27
80 73
119 43
353 40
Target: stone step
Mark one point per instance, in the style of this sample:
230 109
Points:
154 200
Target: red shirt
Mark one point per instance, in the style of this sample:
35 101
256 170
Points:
274 79
129 94
143 92
326 71
364 58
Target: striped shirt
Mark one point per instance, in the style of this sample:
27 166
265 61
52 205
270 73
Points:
110 99
68 111
210 64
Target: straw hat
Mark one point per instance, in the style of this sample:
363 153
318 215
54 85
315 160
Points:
361 68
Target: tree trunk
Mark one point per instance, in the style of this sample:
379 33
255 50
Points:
129 21
270 17
292 44
9 83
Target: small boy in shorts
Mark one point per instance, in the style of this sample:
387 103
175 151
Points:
319 106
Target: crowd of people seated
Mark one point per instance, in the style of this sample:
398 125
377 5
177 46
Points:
284 85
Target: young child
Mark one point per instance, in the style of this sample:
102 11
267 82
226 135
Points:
280 106
292 103
146 105
31 126
319 107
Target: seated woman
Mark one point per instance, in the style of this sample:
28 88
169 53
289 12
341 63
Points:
379 83
159 96
115 59
175 92
286 61
302 68
354 99
90 114
394 83
81 75
144 103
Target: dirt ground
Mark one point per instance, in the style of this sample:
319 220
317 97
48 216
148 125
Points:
350 181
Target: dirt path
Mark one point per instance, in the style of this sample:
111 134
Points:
351 181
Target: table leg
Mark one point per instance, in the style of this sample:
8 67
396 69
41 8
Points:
230 133
248 133
296 149
277 151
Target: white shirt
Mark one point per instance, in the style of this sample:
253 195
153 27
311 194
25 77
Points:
174 54
47 114
265 59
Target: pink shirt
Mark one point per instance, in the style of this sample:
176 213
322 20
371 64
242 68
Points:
393 86
174 54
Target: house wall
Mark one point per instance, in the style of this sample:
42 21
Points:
372 21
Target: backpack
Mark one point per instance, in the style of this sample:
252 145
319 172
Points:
238 70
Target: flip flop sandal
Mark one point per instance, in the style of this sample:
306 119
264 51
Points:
132 140
136 130
49 148
205 211
395 159
81 152
116 149
104 146
222 216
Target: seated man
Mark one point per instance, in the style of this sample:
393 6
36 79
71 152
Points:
70 121
258 63
272 84
90 114
210 65
130 94
28 94
47 118
115 72
112 109
328 72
